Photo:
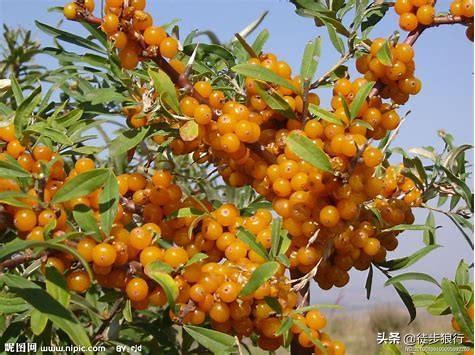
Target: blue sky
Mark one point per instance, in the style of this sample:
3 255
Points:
444 63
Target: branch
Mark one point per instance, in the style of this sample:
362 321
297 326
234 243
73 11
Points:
325 76
17 259
116 307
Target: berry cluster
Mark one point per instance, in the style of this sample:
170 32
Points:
414 12
208 289
130 28
397 76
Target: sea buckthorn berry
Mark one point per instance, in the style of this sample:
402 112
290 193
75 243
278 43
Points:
55 262
137 289
342 86
84 164
114 3
24 220
308 256
228 291
419 3
372 157
403 52
371 246
217 99
203 88
104 255
110 23
227 214
467 8
162 179
141 20
70 11
129 58
408 21
402 6
89 5
329 216
14 148
425 14
175 256
219 312
169 47
154 35
140 238
230 143
136 182
315 320
178 65
377 45
78 281
84 248
247 131
120 40
45 217
42 152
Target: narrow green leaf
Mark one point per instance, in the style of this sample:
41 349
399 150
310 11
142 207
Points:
360 97
401 263
409 227
127 140
260 40
423 300
196 259
369 282
263 74
429 234
108 202
165 89
189 131
275 101
169 286
462 275
325 115
84 217
81 185
250 239
12 198
411 276
384 54
310 59
25 110
56 286
308 151
214 341
38 322
262 273
17 92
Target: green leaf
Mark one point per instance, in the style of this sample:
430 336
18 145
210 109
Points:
69 37
305 149
108 202
411 276
429 234
61 317
263 74
205 50
406 299
336 41
409 227
363 124
9 305
324 114
360 98
275 101
81 185
38 322
315 307
169 286
401 263
310 59
196 259
260 275
212 340
384 54
12 198
104 96
84 217
274 304
260 40
165 89
56 286
16 89
423 300
25 110
285 326
250 239
127 140
462 275
452 296
189 131
52 133
369 282
276 228
186 212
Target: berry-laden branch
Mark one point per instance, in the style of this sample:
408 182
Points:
413 36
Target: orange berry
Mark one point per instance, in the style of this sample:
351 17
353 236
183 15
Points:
329 216
70 11
154 35
136 289
175 256
315 320
169 47
104 255
24 220
425 14
78 281
408 21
